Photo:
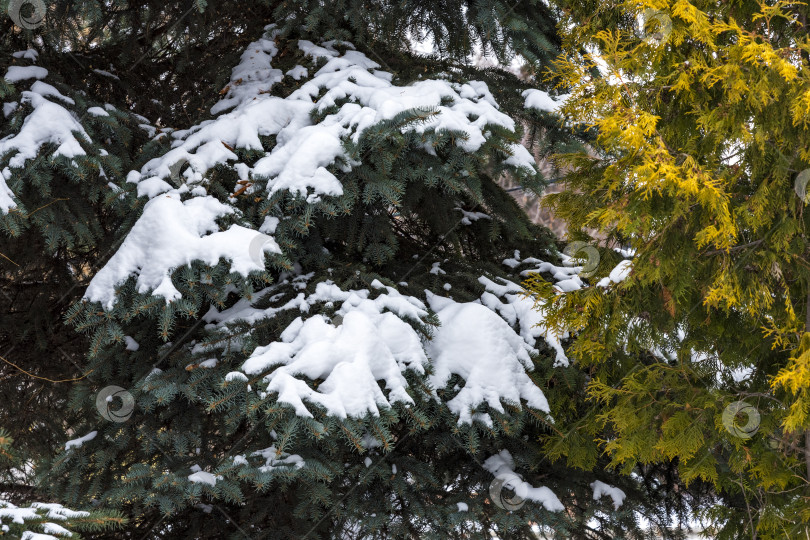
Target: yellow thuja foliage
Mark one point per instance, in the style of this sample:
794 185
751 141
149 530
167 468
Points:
700 132
795 378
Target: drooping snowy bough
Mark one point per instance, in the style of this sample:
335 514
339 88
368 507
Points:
51 521
40 521
316 131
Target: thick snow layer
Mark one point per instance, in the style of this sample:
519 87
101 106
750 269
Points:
28 54
476 344
368 343
297 72
15 74
358 347
236 376
509 300
501 465
303 151
48 123
172 233
252 76
53 528
537 99
359 355
131 344
436 269
16 515
600 489
97 111
6 195
352 75
46 90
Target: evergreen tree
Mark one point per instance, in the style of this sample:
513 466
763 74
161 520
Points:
63 161
311 303
349 429
696 342
44 521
